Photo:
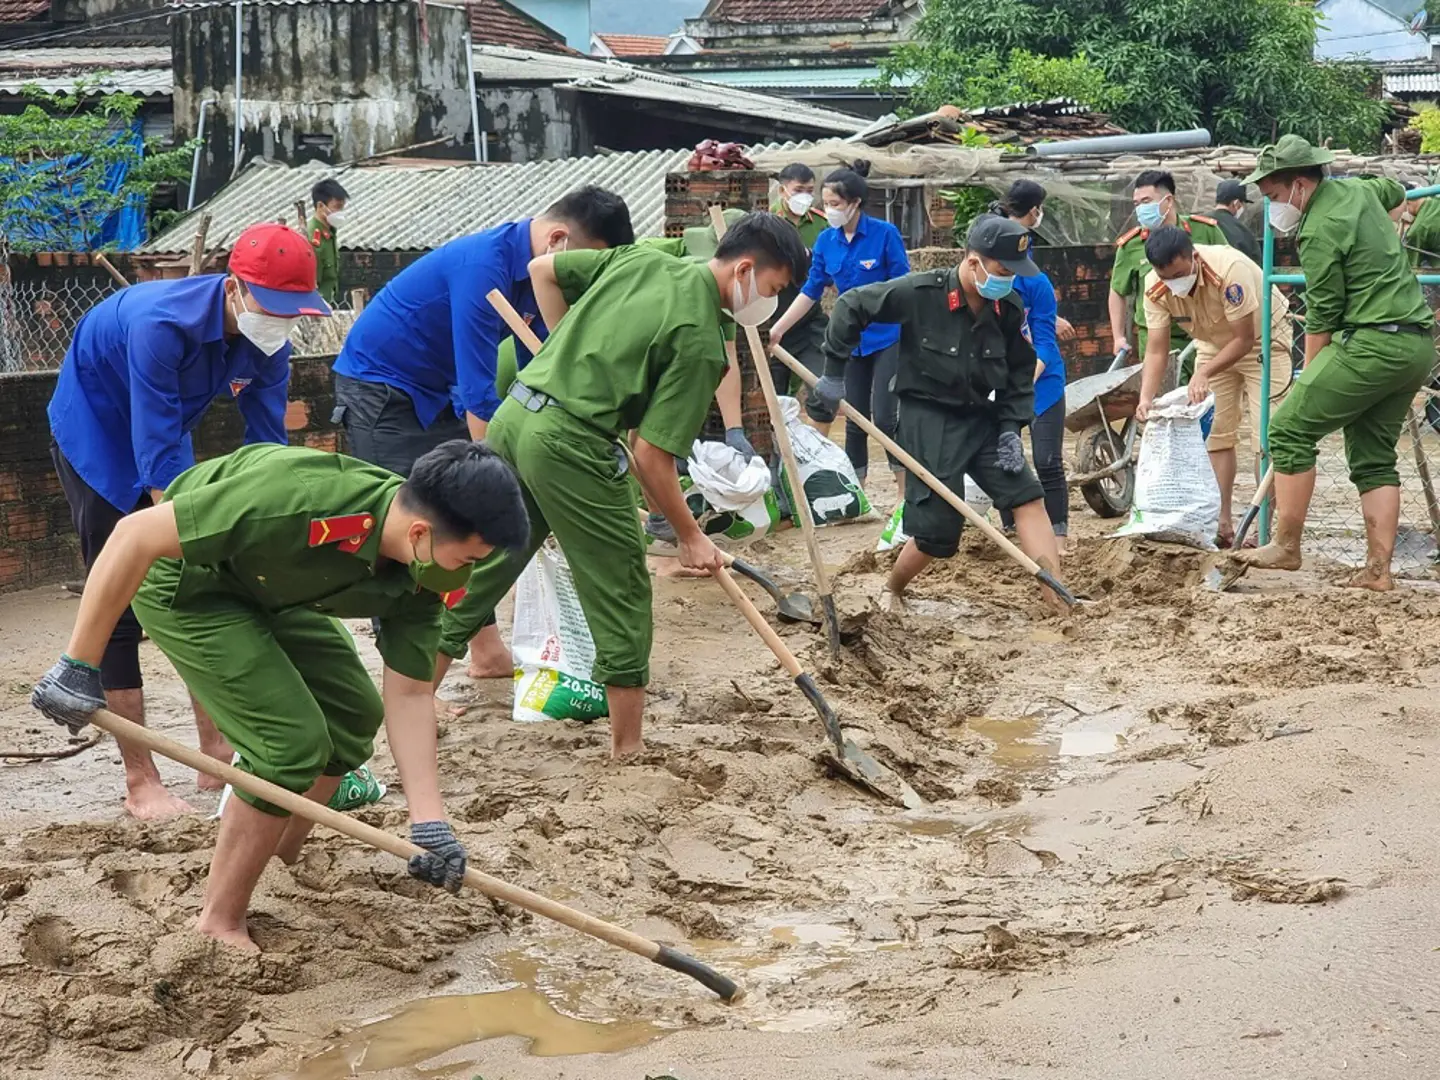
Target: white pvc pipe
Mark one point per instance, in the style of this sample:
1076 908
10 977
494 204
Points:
239 121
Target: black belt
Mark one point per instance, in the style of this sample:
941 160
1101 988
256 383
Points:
1394 328
533 400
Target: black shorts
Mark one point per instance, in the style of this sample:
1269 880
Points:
950 443
381 426
95 519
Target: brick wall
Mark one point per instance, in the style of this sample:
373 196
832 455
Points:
37 542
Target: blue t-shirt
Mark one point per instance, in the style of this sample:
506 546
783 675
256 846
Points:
432 335
875 253
1038 296
141 369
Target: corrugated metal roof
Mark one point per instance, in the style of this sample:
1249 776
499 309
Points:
133 70
416 208
1415 82
496 64
144 82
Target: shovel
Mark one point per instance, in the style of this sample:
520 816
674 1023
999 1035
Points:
848 759
791 607
1221 578
134 735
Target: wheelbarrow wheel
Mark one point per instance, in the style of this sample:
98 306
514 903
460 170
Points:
1112 496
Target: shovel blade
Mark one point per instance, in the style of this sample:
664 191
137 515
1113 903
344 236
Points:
854 763
1223 576
796 608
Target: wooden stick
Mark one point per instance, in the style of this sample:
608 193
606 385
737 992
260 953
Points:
930 480
792 468
197 249
300 213
135 735
110 269
1422 466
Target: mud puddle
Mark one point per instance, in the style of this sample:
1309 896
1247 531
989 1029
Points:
1058 745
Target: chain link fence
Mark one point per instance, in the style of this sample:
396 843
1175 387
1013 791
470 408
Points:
1335 528
37 320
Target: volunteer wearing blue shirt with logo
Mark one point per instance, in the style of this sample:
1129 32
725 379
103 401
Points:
856 250
418 367
1024 203
140 372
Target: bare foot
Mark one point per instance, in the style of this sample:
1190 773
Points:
491 667
206 782
151 802
621 754
1270 557
893 603
1374 577
237 937
1050 597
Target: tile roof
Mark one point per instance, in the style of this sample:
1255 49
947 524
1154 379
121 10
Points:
793 11
418 207
143 70
15 11
623 45
495 64
498 22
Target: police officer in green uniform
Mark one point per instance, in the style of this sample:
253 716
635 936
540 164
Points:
1368 348
806 339
1155 205
641 351
329 199
241 576
966 385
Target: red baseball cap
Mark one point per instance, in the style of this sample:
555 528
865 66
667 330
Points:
278 265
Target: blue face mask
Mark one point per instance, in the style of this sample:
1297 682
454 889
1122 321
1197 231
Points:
995 286
1150 215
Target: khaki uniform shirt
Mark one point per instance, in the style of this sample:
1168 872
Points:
1127 276
1226 291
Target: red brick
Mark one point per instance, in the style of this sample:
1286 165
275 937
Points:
12 566
9 487
25 521
324 440
297 416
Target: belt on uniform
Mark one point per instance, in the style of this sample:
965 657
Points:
1393 328
533 400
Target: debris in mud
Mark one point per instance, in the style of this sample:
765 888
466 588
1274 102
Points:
1000 792
1143 570
1277 890
1214 722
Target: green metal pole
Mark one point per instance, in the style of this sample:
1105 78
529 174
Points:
1267 278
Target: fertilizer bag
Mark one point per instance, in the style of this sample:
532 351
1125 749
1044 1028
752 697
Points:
829 480
1176 495
729 495
552 646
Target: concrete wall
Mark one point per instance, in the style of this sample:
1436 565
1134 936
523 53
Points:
327 81
37 542
535 123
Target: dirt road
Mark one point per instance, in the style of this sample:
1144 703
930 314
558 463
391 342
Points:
1180 835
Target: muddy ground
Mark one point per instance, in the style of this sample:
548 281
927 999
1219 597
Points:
1180 834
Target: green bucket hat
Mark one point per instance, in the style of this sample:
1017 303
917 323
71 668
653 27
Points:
1291 152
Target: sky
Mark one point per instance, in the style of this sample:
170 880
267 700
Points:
642 16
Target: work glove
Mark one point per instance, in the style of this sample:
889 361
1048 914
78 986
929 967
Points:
1009 454
443 863
825 396
69 693
735 439
658 528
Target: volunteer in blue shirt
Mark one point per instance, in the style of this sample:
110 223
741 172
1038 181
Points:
1024 203
856 250
141 370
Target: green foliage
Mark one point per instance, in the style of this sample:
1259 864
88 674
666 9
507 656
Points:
55 158
969 203
1242 68
1428 124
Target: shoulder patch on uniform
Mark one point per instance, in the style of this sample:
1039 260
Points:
1234 293
316 239
1204 219
1127 237
1157 291
347 531
453 597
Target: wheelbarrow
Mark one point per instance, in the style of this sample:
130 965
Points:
1104 456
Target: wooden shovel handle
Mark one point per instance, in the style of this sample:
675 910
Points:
518 326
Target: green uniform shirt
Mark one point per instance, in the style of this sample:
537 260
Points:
699 242
327 260
948 354
810 227
290 527
1422 239
641 347
1127 277
1356 272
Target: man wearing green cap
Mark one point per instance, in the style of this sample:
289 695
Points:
1368 348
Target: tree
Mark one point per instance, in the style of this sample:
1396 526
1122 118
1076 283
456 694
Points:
71 161
1242 68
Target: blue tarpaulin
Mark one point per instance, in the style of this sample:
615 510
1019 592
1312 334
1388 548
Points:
49 219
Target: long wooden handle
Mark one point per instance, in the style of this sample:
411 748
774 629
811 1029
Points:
1263 489
792 469
1422 467
755 619
518 326
913 466
300 806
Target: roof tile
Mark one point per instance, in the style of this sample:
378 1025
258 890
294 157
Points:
794 11
623 45
17 11
497 22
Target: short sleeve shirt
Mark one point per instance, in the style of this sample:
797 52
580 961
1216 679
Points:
292 527
641 347
1226 291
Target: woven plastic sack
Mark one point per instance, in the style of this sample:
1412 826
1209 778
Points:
553 649
829 480
1176 495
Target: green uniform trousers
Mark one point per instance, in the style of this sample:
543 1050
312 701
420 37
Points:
287 689
1362 382
951 442
575 487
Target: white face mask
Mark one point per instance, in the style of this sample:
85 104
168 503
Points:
1285 216
336 218
268 333
839 216
747 306
800 202
1182 286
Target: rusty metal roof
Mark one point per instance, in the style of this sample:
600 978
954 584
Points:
418 207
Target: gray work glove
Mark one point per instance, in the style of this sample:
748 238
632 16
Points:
735 439
443 863
825 396
1009 454
69 693
657 527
